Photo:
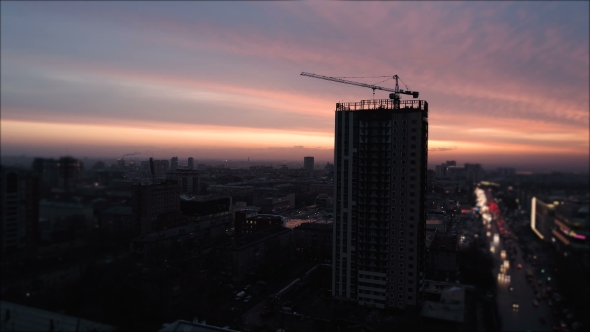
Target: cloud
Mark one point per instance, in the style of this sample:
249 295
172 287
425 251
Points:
442 149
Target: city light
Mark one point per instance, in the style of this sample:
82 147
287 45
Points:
503 254
492 249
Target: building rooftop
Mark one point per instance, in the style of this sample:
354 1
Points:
16 317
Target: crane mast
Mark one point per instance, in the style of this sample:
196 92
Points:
395 95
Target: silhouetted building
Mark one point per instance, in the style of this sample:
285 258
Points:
121 163
174 163
161 167
308 166
155 207
379 202
19 209
191 163
187 179
62 173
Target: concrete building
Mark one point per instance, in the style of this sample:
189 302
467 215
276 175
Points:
308 166
379 203
155 207
19 209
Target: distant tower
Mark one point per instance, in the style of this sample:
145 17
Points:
174 163
191 163
308 165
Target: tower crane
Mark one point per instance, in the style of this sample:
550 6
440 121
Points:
395 95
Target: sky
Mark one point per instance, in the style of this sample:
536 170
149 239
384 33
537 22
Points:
507 83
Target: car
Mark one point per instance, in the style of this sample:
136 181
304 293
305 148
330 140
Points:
535 303
248 298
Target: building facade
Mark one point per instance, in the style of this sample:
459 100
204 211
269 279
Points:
379 203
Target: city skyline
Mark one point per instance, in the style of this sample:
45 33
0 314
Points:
507 82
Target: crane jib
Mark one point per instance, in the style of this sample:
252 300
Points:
394 95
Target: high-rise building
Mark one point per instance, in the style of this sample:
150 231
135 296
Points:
308 166
174 163
380 159
19 209
191 163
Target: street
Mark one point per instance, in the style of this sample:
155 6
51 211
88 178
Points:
527 317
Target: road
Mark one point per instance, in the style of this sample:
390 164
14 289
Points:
527 317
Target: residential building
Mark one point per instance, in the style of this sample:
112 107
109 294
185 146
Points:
379 202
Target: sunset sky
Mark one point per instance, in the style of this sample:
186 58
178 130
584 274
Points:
507 82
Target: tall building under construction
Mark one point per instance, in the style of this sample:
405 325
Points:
380 155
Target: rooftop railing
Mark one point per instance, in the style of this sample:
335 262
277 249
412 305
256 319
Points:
376 104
